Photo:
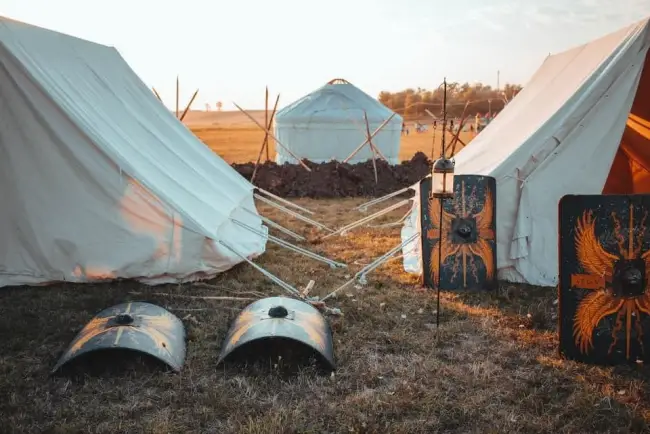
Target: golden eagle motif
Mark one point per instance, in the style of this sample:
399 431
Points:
599 264
463 254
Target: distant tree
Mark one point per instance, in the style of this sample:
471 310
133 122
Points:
386 98
413 103
219 105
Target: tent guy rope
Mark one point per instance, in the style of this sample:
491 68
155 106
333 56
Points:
362 274
284 201
294 248
292 213
379 128
275 225
365 220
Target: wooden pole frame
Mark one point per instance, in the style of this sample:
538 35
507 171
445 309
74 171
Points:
187 107
266 122
178 86
265 143
277 142
370 138
372 147
179 115
155 92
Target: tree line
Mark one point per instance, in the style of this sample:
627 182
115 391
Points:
479 98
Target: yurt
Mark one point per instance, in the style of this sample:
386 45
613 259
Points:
329 124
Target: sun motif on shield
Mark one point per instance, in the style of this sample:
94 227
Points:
466 235
618 281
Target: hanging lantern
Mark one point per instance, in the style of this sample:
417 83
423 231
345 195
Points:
442 178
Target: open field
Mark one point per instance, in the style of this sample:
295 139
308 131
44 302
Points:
238 140
493 367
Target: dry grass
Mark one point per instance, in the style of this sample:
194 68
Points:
238 140
491 368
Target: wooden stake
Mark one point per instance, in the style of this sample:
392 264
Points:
277 142
189 104
155 92
177 95
266 122
372 147
265 143
369 138
456 138
433 146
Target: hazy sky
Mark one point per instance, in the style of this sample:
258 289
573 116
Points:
232 49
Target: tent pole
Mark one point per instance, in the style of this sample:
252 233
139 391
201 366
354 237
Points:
277 142
177 96
265 143
369 138
372 148
189 104
266 122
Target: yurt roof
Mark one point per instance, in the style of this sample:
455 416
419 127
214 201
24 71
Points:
336 101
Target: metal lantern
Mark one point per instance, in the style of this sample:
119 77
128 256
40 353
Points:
442 178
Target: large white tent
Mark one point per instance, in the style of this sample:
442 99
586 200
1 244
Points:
329 124
580 126
98 180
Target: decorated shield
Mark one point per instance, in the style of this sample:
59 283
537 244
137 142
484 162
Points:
279 326
139 327
604 287
467 247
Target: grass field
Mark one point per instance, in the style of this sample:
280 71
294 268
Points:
492 367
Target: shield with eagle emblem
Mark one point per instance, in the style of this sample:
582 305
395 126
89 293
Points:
138 327
279 327
467 247
604 285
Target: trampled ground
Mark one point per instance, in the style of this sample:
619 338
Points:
491 367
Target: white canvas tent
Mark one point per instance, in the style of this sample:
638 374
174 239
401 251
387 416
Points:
98 180
328 124
580 126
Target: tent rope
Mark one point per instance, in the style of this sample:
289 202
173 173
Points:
365 220
275 225
398 222
292 213
266 273
361 275
282 200
290 246
364 206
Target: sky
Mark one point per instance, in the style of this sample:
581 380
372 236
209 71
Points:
231 50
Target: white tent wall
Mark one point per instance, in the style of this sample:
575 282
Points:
328 124
321 142
98 179
558 136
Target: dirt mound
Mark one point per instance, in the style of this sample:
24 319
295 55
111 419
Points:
335 179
